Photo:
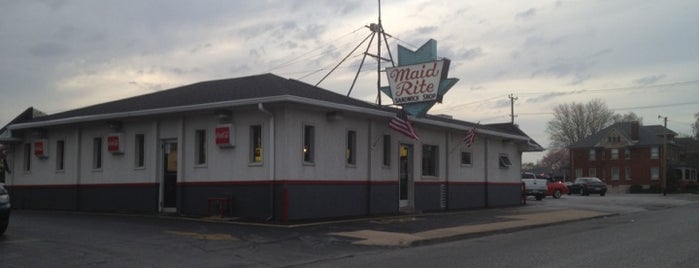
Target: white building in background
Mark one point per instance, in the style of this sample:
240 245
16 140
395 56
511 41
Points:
267 147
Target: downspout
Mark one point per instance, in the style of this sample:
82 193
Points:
446 173
368 185
78 169
272 170
486 172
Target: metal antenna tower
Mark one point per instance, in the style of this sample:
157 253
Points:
376 29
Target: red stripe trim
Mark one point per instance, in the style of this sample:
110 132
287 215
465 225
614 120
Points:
70 186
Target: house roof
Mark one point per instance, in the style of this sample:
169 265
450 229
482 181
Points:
264 88
647 135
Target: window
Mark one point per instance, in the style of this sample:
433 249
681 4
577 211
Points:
139 150
308 144
27 156
97 153
591 155
256 144
592 172
578 172
615 173
627 174
466 159
654 152
627 153
429 160
654 173
351 153
60 155
615 154
200 150
504 161
387 150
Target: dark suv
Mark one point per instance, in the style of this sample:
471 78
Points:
4 209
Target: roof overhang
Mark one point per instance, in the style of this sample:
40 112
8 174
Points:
244 102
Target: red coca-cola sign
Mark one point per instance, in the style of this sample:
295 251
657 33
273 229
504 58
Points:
40 149
224 135
115 143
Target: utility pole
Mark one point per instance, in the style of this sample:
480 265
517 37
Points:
512 107
663 164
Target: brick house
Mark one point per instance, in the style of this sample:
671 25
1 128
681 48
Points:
624 154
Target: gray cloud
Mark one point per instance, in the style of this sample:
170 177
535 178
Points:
48 50
526 14
649 80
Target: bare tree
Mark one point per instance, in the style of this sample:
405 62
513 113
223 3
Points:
629 117
555 161
695 126
574 121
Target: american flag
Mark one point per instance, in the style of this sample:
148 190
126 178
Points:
401 124
470 136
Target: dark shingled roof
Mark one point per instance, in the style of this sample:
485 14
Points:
647 135
235 89
250 87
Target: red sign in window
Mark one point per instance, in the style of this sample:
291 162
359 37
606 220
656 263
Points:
115 143
40 149
224 135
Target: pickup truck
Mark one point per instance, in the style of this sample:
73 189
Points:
534 186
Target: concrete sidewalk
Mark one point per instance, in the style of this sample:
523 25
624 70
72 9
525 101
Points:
373 237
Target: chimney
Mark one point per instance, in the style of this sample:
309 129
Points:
634 130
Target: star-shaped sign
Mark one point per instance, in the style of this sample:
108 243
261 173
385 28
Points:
420 79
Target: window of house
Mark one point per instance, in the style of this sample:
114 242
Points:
592 172
627 174
27 157
351 152
60 155
200 149
654 173
578 172
256 144
429 160
592 154
654 152
615 154
504 161
627 153
387 150
97 153
615 173
308 144
466 159
139 150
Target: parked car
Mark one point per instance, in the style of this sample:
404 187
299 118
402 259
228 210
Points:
588 185
534 186
556 189
4 209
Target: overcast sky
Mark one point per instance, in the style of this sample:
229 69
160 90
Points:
637 56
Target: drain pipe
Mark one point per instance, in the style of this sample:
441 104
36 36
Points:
272 170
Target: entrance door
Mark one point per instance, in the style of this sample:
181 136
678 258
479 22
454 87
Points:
405 182
168 188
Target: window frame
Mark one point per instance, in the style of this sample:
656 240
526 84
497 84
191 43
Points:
97 154
468 163
308 142
256 156
351 148
139 151
60 155
654 173
615 173
614 154
430 161
387 150
200 150
654 152
592 154
504 161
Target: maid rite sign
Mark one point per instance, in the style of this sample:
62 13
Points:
420 79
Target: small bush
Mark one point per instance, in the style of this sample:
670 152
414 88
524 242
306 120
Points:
636 189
